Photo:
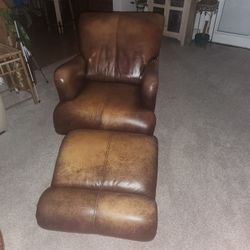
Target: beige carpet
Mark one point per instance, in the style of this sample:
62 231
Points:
1 241
203 126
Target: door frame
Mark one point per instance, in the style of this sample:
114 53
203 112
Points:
228 38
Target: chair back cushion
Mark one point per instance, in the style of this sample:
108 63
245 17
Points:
117 46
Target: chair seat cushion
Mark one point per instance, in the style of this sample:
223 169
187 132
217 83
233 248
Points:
104 105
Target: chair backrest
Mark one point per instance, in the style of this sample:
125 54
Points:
117 46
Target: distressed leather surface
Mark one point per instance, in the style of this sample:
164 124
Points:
104 183
117 46
105 106
69 78
122 215
113 161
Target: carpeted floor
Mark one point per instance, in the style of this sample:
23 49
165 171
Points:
203 126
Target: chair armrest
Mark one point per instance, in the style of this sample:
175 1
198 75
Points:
150 81
69 78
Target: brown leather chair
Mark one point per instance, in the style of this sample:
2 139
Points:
113 83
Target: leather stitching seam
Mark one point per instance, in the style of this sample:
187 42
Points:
103 108
116 38
95 209
104 176
106 160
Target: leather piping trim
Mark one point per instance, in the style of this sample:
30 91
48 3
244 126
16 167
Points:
95 209
104 176
116 38
101 113
106 159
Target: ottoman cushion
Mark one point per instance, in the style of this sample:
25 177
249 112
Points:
122 215
113 161
104 182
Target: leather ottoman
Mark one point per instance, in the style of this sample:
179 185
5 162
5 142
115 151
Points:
104 183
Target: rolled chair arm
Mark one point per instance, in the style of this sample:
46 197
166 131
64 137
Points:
150 80
69 78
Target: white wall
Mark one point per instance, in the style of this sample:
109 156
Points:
117 5
123 5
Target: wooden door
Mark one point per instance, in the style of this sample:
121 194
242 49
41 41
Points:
91 5
100 5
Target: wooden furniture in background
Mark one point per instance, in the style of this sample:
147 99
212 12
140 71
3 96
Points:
179 17
59 17
14 71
